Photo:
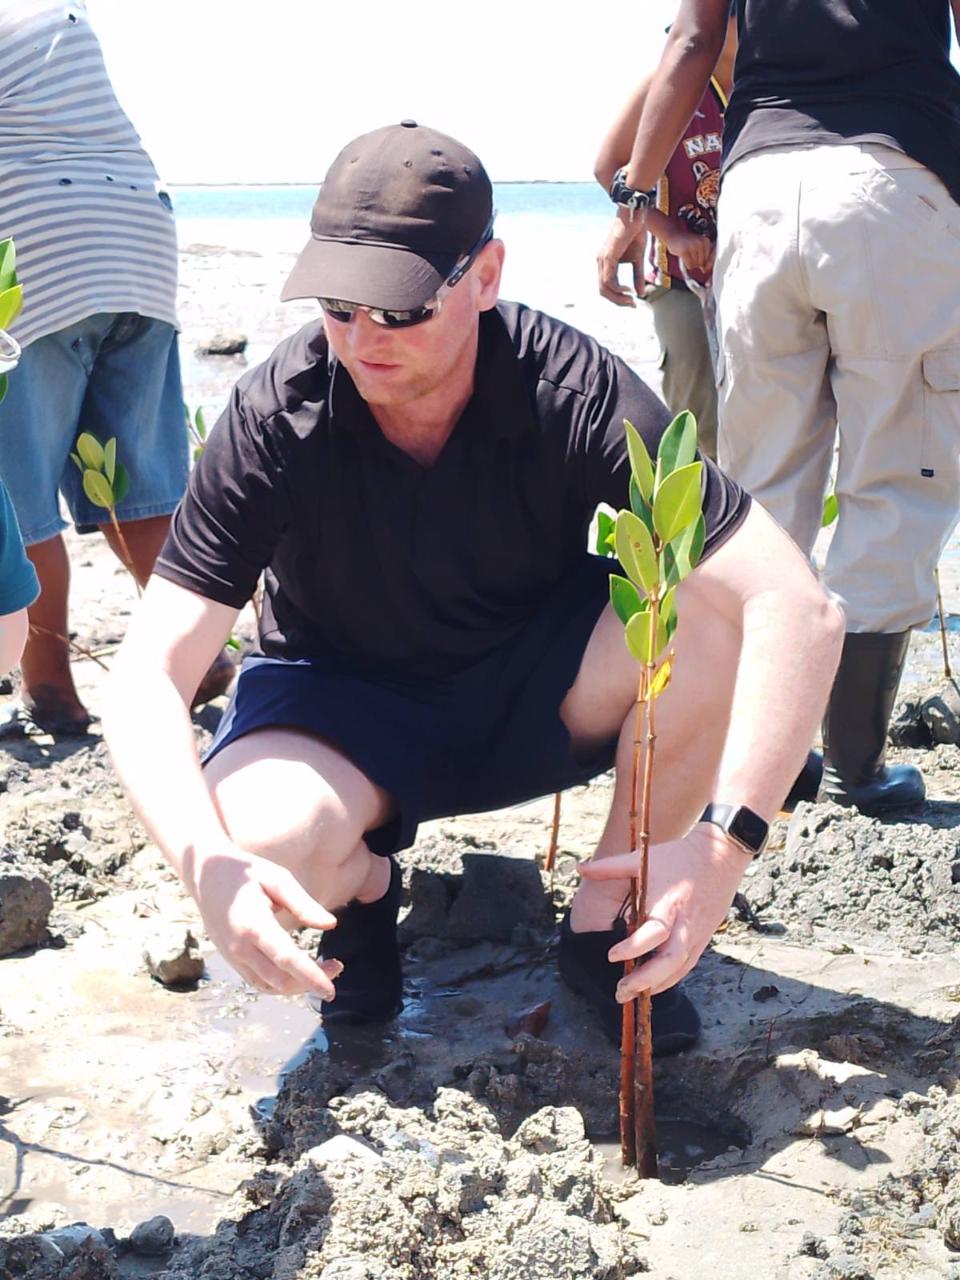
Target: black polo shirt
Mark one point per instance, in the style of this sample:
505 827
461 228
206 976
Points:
374 557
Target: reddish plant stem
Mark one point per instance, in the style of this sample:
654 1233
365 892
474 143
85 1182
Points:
124 549
551 857
646 1130
628 1026
947 672
71 644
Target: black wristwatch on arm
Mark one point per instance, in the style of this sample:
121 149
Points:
744 827
629 197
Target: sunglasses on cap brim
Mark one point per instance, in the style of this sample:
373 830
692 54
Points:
391 318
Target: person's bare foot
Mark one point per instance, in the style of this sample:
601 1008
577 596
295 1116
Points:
218 680
48 709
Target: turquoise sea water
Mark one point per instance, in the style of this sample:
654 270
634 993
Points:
552 232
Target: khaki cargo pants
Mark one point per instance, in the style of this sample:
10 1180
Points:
838 286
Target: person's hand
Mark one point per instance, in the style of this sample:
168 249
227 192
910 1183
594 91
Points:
239 896
624 241
697 253
691 884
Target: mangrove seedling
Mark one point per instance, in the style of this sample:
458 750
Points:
658 542
106 483
11 300
196 430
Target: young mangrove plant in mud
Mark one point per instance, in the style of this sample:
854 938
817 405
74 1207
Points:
658 542
106 483
11 300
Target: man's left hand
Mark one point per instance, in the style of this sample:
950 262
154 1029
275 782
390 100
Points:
691 884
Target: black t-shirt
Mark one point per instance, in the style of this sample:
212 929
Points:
370 555
814 71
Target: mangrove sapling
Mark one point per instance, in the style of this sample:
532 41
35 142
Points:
658 542
11 300
106 483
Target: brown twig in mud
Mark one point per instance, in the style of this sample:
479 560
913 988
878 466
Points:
124 549
551 859
71 644
947 672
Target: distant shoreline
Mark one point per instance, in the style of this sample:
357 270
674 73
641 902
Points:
260 186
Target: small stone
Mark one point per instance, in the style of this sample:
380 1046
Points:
749 1227
153 1237
69 1239
223 344
174 959
339 1148
25 905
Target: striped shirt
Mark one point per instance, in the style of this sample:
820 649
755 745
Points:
94 231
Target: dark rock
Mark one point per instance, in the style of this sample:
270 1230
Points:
223 344
25 904
154 1237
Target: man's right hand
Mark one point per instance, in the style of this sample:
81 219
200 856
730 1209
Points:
624 240
240 896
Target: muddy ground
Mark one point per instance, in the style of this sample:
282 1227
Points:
213 1132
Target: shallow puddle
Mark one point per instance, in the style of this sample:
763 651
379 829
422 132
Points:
682 1146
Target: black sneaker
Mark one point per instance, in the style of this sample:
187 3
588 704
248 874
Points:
586 970
365 940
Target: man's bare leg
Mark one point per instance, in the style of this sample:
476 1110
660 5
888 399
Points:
691 721
293 798
49 694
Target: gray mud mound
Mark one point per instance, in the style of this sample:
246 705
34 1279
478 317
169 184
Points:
885 882
409 1195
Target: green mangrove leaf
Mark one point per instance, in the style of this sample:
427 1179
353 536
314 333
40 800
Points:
678 446
640 465
831 509
90 450
8 264
200 423
668 605
639 506
121 484
3 386
624 597
637 635
677 503
78 461
11 300
110 458
97 488
232 642
634 545
605 532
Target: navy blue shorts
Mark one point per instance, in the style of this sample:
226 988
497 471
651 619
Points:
480 739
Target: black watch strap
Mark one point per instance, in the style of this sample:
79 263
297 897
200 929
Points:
742 825
629 197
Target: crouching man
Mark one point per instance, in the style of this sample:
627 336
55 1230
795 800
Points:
415 473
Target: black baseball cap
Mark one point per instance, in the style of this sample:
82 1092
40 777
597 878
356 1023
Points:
398 209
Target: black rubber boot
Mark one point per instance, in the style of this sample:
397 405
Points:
586 970
365 940
807 783
855 728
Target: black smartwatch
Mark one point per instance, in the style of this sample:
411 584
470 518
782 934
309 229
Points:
629 197
742 825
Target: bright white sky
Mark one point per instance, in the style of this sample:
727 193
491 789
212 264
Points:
269 90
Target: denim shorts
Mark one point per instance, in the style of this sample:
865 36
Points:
467 742
110 374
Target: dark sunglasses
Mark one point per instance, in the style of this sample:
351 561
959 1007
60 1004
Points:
343 312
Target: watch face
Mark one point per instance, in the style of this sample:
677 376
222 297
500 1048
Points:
749 828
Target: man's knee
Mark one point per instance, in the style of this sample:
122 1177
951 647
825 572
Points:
290 797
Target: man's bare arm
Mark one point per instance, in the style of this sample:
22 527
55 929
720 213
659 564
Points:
172 639
956 16
693 46
791 637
